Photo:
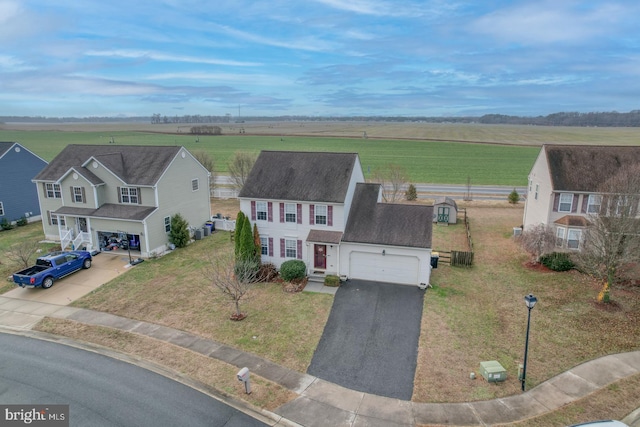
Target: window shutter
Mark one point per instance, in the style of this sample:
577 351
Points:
270 246
139 196
311 215
73 198
119 194
556 201
253 210
299 213
330 216
270 212
282 248
299 251
84 196
49 217
574 205
281 212
44 187
585 201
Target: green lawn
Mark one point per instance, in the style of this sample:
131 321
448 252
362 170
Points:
425 161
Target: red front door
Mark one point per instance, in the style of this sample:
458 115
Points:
320 257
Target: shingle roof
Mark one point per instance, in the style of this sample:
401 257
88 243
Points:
133 164
572 221
446 201
585 167
386 223
324 236
4 146
305 176
110 211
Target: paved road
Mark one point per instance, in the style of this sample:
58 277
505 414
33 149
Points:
370 342
102 391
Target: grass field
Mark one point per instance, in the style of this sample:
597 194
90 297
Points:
504 157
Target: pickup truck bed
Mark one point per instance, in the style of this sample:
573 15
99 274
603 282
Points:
52 267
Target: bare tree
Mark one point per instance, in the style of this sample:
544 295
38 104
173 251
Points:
537 241
21 253
393 178
233 278
612 238
240 167
207 161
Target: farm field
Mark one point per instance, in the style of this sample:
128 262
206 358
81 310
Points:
430 153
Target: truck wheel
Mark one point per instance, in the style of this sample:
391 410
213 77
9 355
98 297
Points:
47 282
86 264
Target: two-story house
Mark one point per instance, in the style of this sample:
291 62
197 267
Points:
18 194
96 195
564 187
316 207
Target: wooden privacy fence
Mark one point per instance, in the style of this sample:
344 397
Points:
456 258
459 258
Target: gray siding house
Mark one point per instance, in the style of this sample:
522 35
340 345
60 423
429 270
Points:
316 207
563 187
18 194
95 195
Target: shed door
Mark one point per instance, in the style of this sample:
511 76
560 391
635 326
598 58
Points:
443 214
384 268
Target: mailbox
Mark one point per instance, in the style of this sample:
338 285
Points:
243 374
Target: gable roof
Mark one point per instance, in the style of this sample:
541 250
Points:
443 200
584 167
6 146
133 164
387 223
303 176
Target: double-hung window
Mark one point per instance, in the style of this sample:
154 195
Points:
320 214
536 194
195 184
290 248
290 212
264 246
1 209
560 236
593 203
167 224
566 202
261 211
573 238
78 196
129 195
53 191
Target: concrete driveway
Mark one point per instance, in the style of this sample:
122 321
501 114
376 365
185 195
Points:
64 291
370 342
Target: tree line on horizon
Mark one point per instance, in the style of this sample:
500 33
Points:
590 119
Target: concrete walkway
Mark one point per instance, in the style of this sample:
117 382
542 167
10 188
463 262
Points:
321 403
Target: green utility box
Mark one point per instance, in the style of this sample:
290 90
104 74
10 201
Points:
493 371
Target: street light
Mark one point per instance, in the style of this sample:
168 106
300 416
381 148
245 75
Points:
530 301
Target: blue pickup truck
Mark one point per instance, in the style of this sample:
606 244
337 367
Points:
52 267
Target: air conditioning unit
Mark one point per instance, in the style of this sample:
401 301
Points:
517 231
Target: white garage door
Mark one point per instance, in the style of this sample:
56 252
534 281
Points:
384 268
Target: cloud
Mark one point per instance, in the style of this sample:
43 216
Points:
550 21
159 56
308 43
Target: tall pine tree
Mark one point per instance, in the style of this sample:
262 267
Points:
238 233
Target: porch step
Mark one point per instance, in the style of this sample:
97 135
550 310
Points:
316 277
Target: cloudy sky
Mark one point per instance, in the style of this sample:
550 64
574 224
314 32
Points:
318 57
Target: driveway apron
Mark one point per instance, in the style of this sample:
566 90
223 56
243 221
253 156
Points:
370 342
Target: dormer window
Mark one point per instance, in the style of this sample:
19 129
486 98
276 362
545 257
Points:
129 195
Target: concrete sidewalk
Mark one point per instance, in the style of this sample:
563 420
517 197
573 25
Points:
321 403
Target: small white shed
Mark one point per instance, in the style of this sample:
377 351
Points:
445 210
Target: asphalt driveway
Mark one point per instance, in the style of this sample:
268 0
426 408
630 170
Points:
370 342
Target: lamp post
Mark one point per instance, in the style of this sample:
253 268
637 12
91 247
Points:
530 301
